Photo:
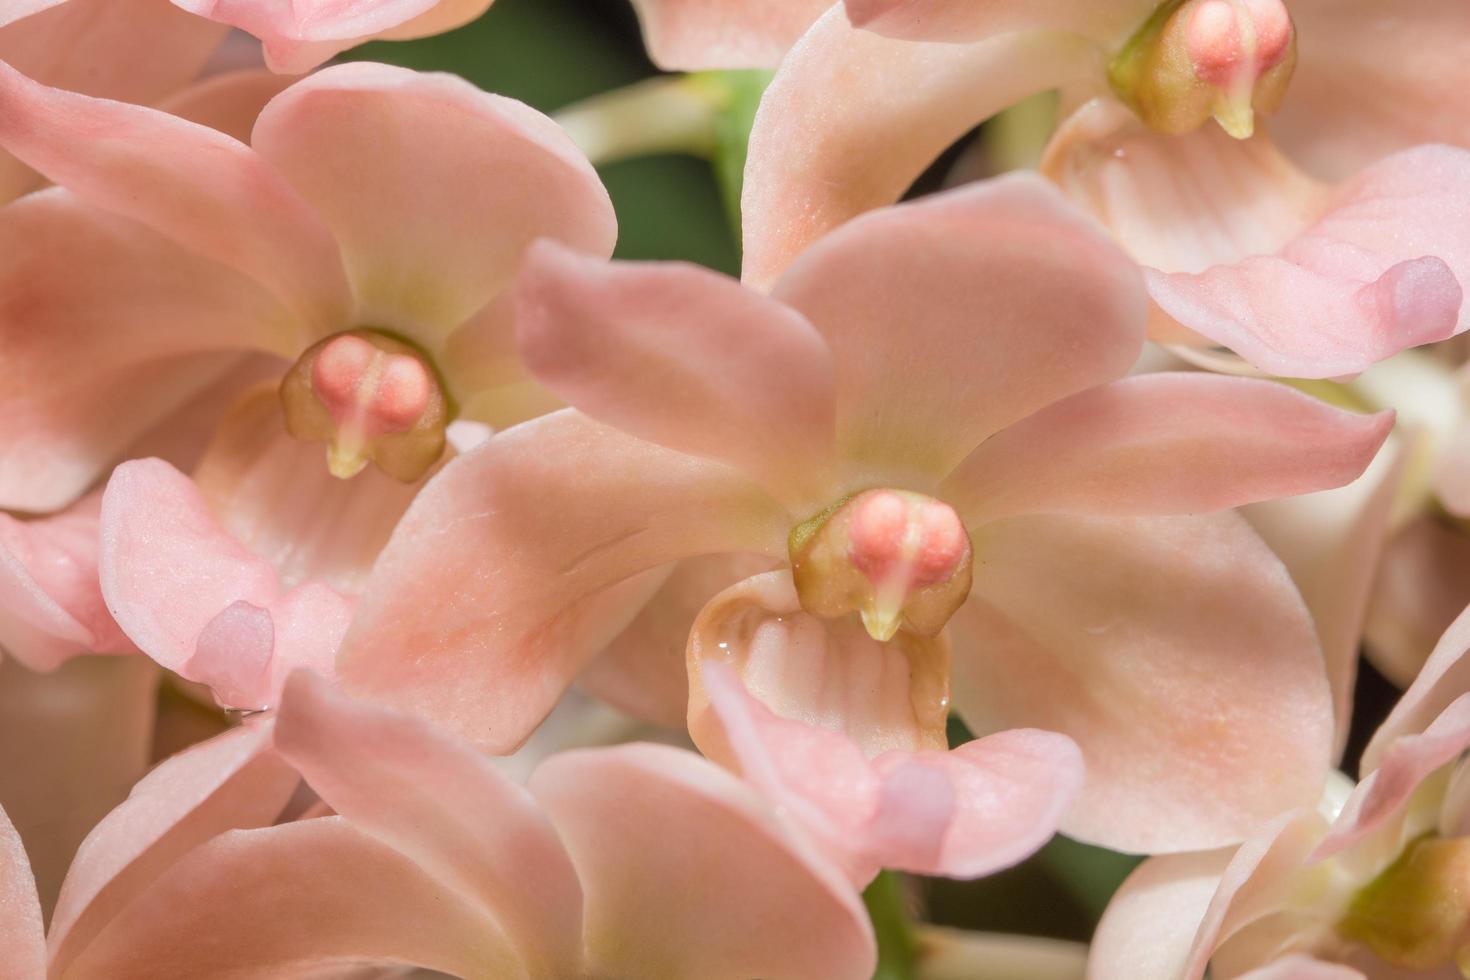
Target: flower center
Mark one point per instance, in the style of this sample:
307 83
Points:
371 398
1416 913
1197 59
897 558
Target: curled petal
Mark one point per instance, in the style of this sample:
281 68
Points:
638 820
696 35
201 188
954 316
1150 923
623 342
234 780
828 674
1445 676
1196 723
433 187
852 119
310 893
51 606
1382 269
974 20
964 813
1165 444
495 580
445 806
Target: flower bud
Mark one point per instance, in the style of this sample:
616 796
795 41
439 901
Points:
1197 59
370 398
897 558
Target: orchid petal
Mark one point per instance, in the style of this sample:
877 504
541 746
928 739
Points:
1444 677
22 938
697 35
974 20
1423 584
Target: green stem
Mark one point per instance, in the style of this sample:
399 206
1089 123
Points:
888 908
667 114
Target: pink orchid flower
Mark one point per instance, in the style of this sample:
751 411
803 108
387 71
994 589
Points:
366 235
697 35
431 857
298 35
925 419
142 51
1368 886
1313 251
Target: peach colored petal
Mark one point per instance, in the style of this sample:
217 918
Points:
1302 968
853 118
197 601
1423 583
72 743
272 900
234 780
1195 722
1150 923
697 35
22 937
484 371
495 579
1332 542
446 807
1444 677
229 102
51 607
642 672
132 50
1370 80
828 674
974 20
965 813
1382 269
624 341
649 826
205 190
272 494
158 326
1168 443
1400 763
433 187
956 315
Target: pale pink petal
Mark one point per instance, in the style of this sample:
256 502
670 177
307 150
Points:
201 188
853 118
1150 923
132 50
51 606
966 813
483 369
272 900
197 601
1371 80
1302 968
274 495
443 16
22 938
1444 677
1170 443
433 187
1382 269
1423 584
1180 203
1399 764
753 381
1196 722
649 828
229 102
642 672
954 316
495 580
72 743
947 953
234 780
445 806
97 360
829 674
1450 477
973 20
697 35
1332 542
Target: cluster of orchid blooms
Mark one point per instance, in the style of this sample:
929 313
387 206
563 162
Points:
323 394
